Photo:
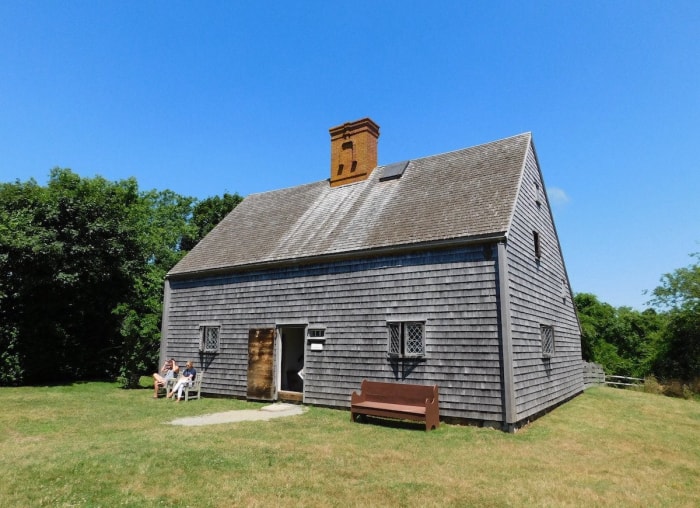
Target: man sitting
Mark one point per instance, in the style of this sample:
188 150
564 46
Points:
168 371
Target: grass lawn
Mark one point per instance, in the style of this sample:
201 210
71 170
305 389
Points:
94 444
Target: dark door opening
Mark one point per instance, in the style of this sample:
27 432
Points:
291 374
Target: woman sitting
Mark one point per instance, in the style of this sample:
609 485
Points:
168 371
187 379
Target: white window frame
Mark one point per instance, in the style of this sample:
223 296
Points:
203 340
400 340
548 338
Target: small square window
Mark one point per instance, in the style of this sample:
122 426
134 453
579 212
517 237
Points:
316 333
547 336
406 339
209 339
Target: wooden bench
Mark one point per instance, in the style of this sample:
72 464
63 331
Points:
397 400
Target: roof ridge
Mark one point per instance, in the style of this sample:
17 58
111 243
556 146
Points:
472 147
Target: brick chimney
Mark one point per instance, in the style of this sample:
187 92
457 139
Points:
353 151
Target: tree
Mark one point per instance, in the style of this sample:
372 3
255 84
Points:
14 246
82 265
680 293
590 315
624 341
207 214
638 338
66 263
163 222
679 289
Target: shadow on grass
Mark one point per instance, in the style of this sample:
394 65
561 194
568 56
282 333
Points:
391 423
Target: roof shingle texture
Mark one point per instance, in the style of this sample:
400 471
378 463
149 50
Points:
461 194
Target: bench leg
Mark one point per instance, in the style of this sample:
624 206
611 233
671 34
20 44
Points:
358 417
432 423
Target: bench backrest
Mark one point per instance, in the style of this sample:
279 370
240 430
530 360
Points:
398 393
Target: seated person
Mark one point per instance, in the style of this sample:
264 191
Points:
169 370
186 379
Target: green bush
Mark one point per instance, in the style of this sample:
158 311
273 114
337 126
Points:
11 371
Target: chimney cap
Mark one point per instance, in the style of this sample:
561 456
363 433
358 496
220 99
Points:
363 124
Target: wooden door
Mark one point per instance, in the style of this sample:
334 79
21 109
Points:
261 347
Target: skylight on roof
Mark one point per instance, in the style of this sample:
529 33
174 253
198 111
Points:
393 171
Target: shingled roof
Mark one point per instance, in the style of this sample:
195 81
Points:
460 195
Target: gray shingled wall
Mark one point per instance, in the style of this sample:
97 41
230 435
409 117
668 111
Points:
540 295
454 291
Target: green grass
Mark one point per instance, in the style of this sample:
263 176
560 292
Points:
96 445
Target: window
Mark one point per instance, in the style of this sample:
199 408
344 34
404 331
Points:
536 240
538 199
316 333
547 335
406 340
209 338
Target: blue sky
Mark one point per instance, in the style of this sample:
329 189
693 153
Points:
206 97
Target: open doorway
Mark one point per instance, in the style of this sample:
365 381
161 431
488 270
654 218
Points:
291 363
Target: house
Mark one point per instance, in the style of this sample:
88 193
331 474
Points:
441 270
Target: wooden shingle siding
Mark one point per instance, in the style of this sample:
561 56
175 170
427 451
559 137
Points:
453 290
537 298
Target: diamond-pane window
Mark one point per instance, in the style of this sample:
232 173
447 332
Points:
395 339
414 339
406 339
547 335
209 340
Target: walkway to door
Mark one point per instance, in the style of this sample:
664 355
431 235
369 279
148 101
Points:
264 413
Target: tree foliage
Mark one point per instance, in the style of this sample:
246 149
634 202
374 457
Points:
663 340
164 221
69 243
82 263
207 214
680 292
625 341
